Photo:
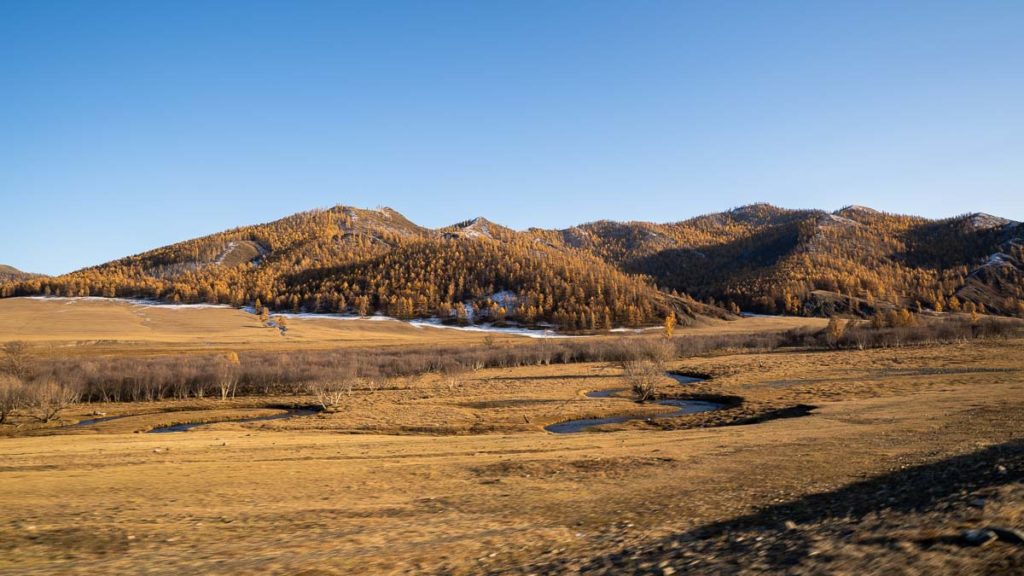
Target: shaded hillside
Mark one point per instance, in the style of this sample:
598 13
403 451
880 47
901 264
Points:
369 261
856 260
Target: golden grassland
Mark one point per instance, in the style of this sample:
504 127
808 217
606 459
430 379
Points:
97 326
434 477
89 326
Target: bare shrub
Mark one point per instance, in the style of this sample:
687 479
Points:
834 331
227 377
371 384
49 398
642 376
12 396
332 392
16 360
452 374
134 379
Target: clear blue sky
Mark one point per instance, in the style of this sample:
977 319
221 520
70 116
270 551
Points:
129 125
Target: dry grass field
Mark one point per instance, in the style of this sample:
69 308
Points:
891 456
92 326
95 325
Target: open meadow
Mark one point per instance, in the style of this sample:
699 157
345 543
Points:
794 458
398 288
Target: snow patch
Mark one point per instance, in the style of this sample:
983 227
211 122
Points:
513 331
423 323
997 259
420 323
140 302
983 221
830 219
227 250
506 299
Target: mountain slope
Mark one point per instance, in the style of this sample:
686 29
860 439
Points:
350 260
758 258
855 260
12 274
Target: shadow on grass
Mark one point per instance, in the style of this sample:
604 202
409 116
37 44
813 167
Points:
556 377
783 541
797 411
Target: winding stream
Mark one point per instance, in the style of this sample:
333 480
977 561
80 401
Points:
92 421
683 379
567 427
293 413
685 407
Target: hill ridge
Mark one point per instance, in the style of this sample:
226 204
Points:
759 257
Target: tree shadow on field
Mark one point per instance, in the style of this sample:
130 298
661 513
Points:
557 377
783 541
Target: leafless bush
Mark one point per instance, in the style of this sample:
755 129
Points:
330 393
331 390
942 331
16 360
452 374
227 377
49 398
834 331
132 379
12 396
642 376
371 384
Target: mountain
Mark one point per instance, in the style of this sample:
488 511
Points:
855 260
758 258
367 261
12 274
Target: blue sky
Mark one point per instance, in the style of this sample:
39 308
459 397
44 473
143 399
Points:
129 125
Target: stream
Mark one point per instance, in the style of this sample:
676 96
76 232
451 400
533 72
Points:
685 407
293 413
92 421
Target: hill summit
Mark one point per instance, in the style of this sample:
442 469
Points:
12 274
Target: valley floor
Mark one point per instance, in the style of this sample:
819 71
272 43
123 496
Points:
903 451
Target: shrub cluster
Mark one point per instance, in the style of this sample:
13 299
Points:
133 379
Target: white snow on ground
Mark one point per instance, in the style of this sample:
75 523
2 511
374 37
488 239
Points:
131 301
326 316
424 323
982 221
529 333
636 330
506 299
834 219
996 259
999 259
227 250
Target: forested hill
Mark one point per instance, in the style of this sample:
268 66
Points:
12 274
856 260
369 261
759 258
